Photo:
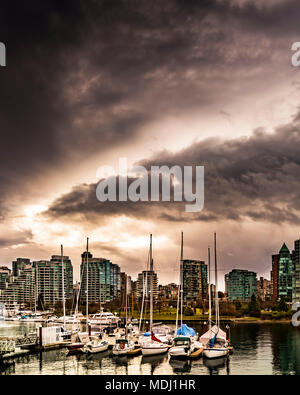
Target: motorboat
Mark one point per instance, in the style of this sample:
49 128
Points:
104 318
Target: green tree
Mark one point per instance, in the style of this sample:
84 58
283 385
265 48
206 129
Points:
281 305
189 311
253 308
238 305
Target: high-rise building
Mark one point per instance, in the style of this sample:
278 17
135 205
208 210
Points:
103 279
49 280
264 289
226 284
18 265
274 276
20 289
5 273
242 284
194 278
144 284
40 281
282 275
296 268
169 291
126 287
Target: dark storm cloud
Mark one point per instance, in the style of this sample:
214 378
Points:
13 238
84 76
255 177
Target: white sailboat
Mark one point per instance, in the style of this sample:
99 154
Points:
152 345
214 340
186 340
123 345
82 338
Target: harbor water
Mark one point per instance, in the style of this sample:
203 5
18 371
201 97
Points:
258 349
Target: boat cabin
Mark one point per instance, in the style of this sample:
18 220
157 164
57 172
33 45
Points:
182 341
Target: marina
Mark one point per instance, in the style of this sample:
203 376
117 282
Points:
258 349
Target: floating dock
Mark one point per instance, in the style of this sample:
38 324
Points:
17 353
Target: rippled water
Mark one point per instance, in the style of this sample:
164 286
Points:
258 349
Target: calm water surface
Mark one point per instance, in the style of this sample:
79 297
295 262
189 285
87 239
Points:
258 349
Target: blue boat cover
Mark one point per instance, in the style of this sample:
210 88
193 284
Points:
147 334
186 331
212 341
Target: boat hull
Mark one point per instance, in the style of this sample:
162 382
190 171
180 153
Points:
154 350
96 349
179 352
123 352
75 347
215 352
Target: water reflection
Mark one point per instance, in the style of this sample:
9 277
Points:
154 361
258 349
181 365
215 365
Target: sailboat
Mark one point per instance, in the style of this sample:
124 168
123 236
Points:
82 338
123 344
152 345
214 340
185 341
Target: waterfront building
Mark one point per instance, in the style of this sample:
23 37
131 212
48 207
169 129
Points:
126 287
18 265
5 273
194 278
168 292
49 280
282 275
274 277
264 291
226 284
242 284
20 289
144 283
103 279
39 281
296 274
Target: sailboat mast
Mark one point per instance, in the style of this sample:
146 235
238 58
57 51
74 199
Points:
179 285
151 284
126 307
63 284
216 282
181 278
36 287
87 283
209 289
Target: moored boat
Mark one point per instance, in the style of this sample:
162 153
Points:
95 345
122 346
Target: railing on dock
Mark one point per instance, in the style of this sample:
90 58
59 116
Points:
7 346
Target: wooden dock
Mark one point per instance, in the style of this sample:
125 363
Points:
197 353
17 353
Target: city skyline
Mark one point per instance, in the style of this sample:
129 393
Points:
181 83
135 275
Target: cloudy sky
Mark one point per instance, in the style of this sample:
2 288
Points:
178 82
